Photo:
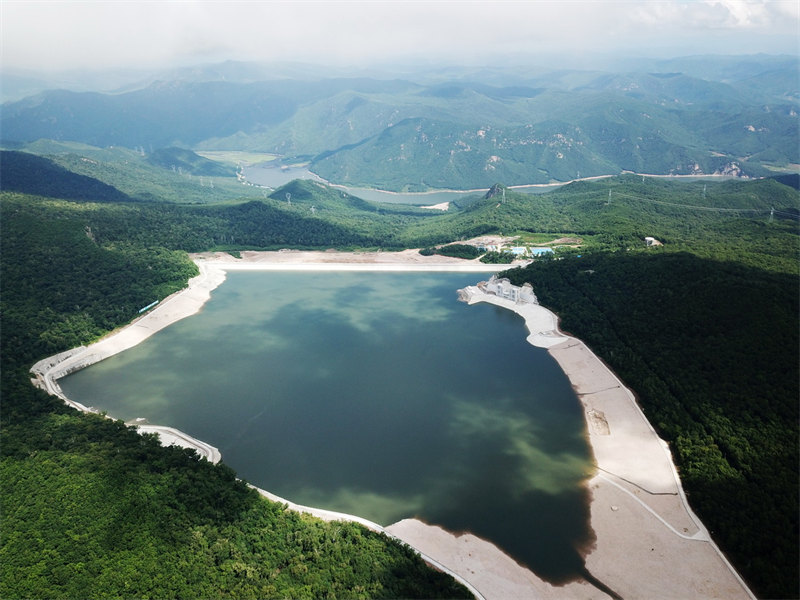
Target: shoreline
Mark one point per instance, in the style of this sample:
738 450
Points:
173 308
353 188
637 503
213 269
638 507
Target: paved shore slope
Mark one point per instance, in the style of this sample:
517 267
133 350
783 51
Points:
649 543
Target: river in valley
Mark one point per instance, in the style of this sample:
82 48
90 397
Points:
375 394
273 176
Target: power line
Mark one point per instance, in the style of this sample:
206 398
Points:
771 211
692 206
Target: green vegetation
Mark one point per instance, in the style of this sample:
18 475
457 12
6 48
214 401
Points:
519 128
497 258
81 172
35 175
62 288
716 371
92 509
183 161
133 174
457 251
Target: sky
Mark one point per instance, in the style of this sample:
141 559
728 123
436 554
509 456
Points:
53 36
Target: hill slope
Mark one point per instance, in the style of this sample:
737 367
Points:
704 328
30 174
455 133
182 160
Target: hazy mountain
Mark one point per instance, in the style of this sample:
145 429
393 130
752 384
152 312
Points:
396 133
186 161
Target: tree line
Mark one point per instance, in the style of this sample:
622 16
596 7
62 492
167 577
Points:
93 509
716 373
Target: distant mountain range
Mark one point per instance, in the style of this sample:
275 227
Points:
455 128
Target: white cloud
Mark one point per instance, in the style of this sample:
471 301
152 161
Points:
777 17
75 33
758 15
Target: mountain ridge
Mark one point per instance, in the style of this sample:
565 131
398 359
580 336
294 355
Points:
644 121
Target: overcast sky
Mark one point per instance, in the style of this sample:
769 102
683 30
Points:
60 35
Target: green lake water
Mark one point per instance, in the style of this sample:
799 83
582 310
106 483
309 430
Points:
375 394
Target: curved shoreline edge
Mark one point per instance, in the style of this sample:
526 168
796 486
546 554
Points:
638 505
634 472
190 301
175 307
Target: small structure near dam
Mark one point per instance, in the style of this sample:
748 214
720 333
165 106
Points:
503 288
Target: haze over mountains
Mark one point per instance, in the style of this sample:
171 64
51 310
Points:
450 127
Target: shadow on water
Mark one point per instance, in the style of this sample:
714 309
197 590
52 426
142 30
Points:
306 385
546 533
552 541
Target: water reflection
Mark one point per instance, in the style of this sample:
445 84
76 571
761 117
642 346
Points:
376 394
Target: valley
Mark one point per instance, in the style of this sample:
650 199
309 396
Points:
408 136
655 212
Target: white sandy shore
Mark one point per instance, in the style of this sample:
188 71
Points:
306 260
649 544
213 267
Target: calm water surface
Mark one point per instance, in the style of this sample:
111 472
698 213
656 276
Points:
375 394
273 177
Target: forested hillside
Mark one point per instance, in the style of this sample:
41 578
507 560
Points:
703 328
81 172
91 508
28 173
183 161
461 130
710 348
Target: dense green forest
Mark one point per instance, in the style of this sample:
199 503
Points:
711 349
92 509
36 175
704 329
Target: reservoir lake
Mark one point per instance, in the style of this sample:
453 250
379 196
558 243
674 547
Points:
374 394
